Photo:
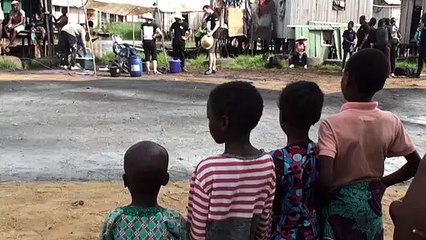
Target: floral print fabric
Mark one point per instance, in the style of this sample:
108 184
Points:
295 210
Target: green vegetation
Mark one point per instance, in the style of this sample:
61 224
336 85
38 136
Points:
406 64
329 67
105 59
6 64
125 30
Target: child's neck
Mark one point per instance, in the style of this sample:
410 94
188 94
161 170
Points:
297 135
241 147
144 201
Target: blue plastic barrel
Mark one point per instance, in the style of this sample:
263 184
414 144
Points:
135 65
175 65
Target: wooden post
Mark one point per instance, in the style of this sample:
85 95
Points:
90 36
133 31
49 37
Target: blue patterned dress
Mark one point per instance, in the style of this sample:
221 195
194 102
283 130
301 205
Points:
295 207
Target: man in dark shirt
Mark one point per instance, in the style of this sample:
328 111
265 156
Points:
422 48
349 38
363 34
149 32
180 33
372 33
212 22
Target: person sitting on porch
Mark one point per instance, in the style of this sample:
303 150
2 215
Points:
68 38
16 23
300 58
39 31
62 20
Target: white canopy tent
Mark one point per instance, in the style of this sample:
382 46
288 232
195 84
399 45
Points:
182 5
121 7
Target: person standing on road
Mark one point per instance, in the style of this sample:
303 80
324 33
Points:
349 40
180 33
1 29
212 22
363 34
422 47
396 36
150 31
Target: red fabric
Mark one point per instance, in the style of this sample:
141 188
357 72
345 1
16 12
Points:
262 7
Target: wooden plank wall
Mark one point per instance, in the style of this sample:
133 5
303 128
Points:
302 11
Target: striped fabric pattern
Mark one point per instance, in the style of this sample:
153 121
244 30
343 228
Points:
225 188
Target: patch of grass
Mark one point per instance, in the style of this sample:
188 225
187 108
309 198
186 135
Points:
200 62
105 58
329 67
406 64
125 30
246 62
6 64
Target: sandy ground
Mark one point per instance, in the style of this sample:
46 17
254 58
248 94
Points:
65 143
51 210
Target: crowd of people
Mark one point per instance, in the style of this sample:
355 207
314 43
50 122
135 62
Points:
330 188
180 33
17 23
385 37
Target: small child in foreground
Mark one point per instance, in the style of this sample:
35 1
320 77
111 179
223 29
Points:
145 167
231 194
295 212
353 147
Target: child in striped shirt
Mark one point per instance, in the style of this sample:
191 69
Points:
231 194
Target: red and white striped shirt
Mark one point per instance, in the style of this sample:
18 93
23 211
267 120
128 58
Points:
232 197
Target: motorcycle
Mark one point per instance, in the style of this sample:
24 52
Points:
123 52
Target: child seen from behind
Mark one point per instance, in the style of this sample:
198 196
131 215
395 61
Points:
353 147
231 194
145 167
295 212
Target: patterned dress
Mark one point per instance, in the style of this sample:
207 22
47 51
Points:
125 223
354 212
295 210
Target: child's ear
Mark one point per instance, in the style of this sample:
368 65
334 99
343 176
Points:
225 121
125 181
166 179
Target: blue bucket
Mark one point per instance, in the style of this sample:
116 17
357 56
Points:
135 64
175 65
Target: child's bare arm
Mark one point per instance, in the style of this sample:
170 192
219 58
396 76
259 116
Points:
326 167
405 172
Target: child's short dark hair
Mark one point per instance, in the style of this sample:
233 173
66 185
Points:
369 68
206 7
240 101
301 103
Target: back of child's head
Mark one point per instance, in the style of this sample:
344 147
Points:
369 69
145 168
240 102
372 22
301 104
381 23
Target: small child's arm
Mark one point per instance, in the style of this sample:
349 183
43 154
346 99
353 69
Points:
265 223
328 150
106 232
198 209
402 146
405 172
